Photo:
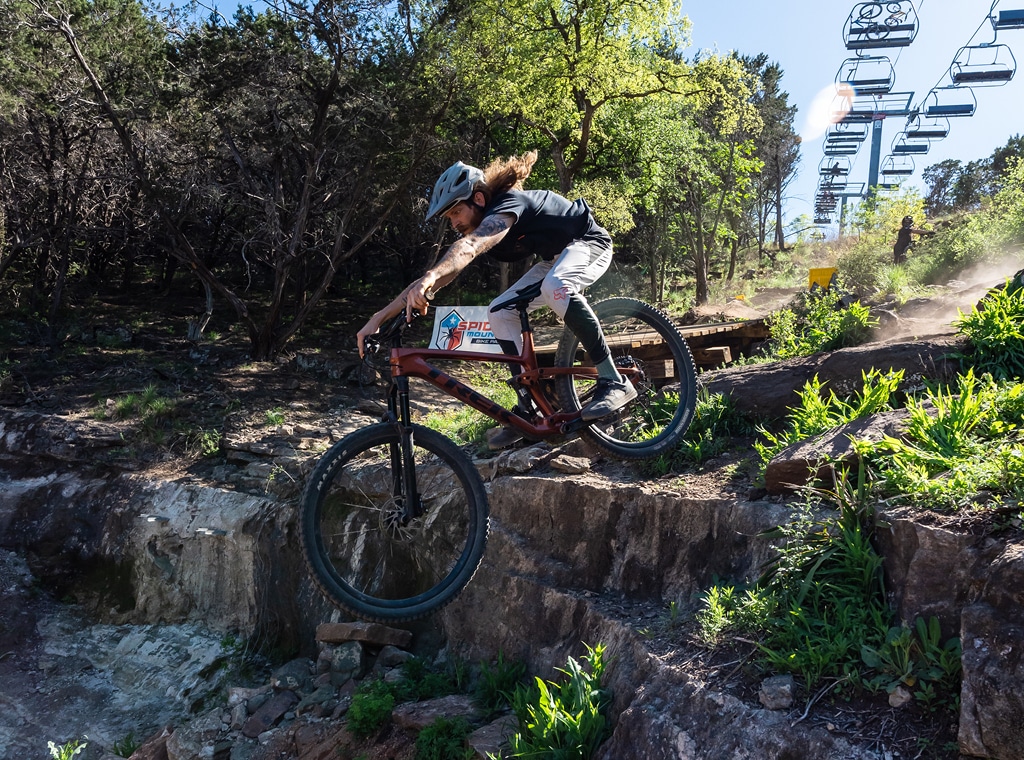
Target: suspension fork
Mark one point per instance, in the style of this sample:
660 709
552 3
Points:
403 464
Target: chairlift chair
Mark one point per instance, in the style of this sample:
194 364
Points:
875 25
847 133
1009 19
988 65
902 146
951 102
841 149
924 128
897 166
834 167
867 75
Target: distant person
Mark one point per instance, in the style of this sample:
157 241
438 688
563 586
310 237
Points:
904 239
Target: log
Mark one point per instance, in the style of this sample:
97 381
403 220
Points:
767 391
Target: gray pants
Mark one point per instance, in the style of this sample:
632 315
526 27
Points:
576 268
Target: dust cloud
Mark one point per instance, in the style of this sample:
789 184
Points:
936 314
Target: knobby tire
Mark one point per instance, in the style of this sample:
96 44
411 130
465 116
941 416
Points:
638 336
359 552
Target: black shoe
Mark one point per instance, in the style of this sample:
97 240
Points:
609 397
504 438
508 436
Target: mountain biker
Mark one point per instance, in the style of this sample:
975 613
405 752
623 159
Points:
496 216
904 241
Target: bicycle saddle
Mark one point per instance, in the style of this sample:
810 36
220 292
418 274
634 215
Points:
520 300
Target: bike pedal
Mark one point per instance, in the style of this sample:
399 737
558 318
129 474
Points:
574 426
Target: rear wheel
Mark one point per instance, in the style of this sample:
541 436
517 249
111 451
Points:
648 348
362 552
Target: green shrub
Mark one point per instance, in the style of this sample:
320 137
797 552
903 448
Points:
563 720
820 609
371 708
917 659
817 413
715 422
995 333
961 442
126 747
497 683
819 323
820 601
444 739
67 751
423 682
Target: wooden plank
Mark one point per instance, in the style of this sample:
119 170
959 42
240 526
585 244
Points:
645 342
714 356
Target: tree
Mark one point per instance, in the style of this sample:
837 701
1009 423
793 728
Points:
286 150
940 179
956 186
64 184
777 146
556 66
715 176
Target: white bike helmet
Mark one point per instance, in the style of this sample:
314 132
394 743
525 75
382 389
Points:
456 184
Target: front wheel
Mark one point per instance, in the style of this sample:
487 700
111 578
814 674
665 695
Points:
362 549
647 347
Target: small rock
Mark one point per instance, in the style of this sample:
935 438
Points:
570 465
488 740
776 692
294 676
269 714
899 697
522 460
392 657
318 697
415 716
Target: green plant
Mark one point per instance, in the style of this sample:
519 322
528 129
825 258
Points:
444 739
828 587
959 442
917 658
715 422
275 416
995 333
817 413
819 323
149 405
497 683
822 599
895 280
126 747
67 751
423 682
563 720
371 708
206 443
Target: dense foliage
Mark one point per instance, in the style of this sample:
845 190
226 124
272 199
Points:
274 158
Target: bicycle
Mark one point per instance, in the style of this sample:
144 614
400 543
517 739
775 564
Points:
394 517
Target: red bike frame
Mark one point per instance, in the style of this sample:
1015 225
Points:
415 362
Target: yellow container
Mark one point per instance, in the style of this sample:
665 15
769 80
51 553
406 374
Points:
821 277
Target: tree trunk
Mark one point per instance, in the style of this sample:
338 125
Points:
780 236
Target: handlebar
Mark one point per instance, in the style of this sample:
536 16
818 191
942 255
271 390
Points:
388 334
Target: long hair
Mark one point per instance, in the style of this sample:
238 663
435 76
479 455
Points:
507 174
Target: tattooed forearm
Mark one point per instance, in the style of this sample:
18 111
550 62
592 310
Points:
487 235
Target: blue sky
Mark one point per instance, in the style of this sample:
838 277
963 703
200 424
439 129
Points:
806 39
